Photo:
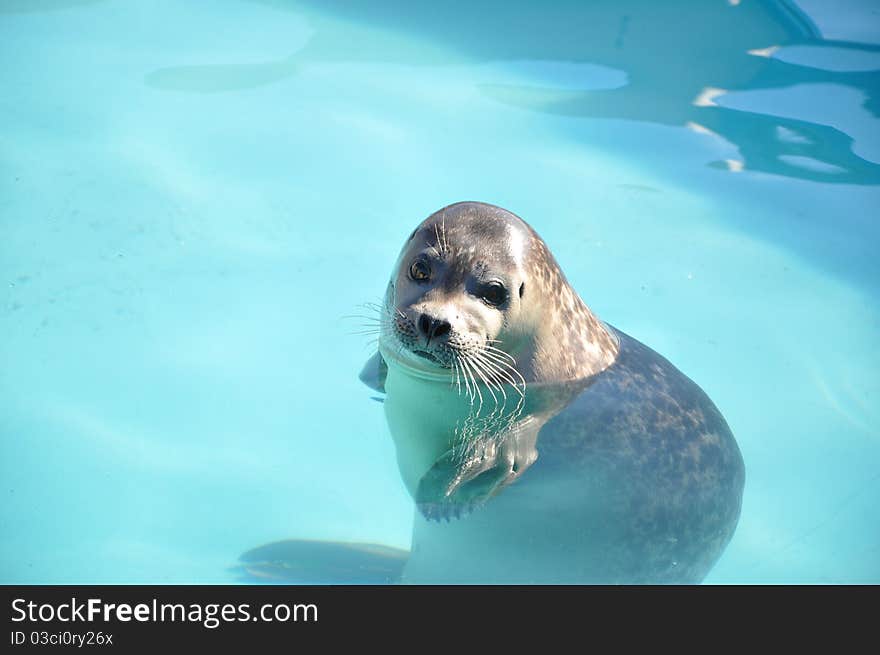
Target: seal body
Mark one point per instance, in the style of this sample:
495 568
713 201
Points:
638 480
540 444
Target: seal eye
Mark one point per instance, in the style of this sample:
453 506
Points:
494 293
419 270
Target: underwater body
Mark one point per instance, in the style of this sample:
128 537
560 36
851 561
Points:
195 198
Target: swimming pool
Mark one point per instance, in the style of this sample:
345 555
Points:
193 199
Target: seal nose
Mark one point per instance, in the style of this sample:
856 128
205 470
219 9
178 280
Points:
433 327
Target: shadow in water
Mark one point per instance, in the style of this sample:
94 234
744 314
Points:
680 57
303 561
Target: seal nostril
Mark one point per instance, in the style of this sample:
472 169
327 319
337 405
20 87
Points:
433 327
441 328
425 325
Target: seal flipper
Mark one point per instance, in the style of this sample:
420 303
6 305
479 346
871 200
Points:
374 373
303 561
458 483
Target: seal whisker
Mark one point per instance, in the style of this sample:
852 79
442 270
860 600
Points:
507 369
504 366
500 381
491 380
501 373
379 313
371 322
498 351
469 382
495 357
511 373
478 359
466 382
474 385
363 317
457 374
372 307
374 325
439 248
367 329
480 372
492 373
520 402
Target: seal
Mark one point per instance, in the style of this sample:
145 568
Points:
540 444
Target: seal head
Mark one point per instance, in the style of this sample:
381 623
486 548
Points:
476 292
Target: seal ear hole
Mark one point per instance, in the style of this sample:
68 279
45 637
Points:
522 289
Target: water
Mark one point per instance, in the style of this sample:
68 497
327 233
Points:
193 196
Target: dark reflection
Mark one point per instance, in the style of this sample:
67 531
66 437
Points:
672 52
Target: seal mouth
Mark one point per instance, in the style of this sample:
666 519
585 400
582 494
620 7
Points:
426 355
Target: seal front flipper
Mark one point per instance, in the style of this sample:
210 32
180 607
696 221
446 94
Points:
303 561
374 372
469 475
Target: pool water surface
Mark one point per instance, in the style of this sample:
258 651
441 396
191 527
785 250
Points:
196 197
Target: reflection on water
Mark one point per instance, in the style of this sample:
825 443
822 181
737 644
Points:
830 58
671 52
808 110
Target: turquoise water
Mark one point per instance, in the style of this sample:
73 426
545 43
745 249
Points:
193 197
